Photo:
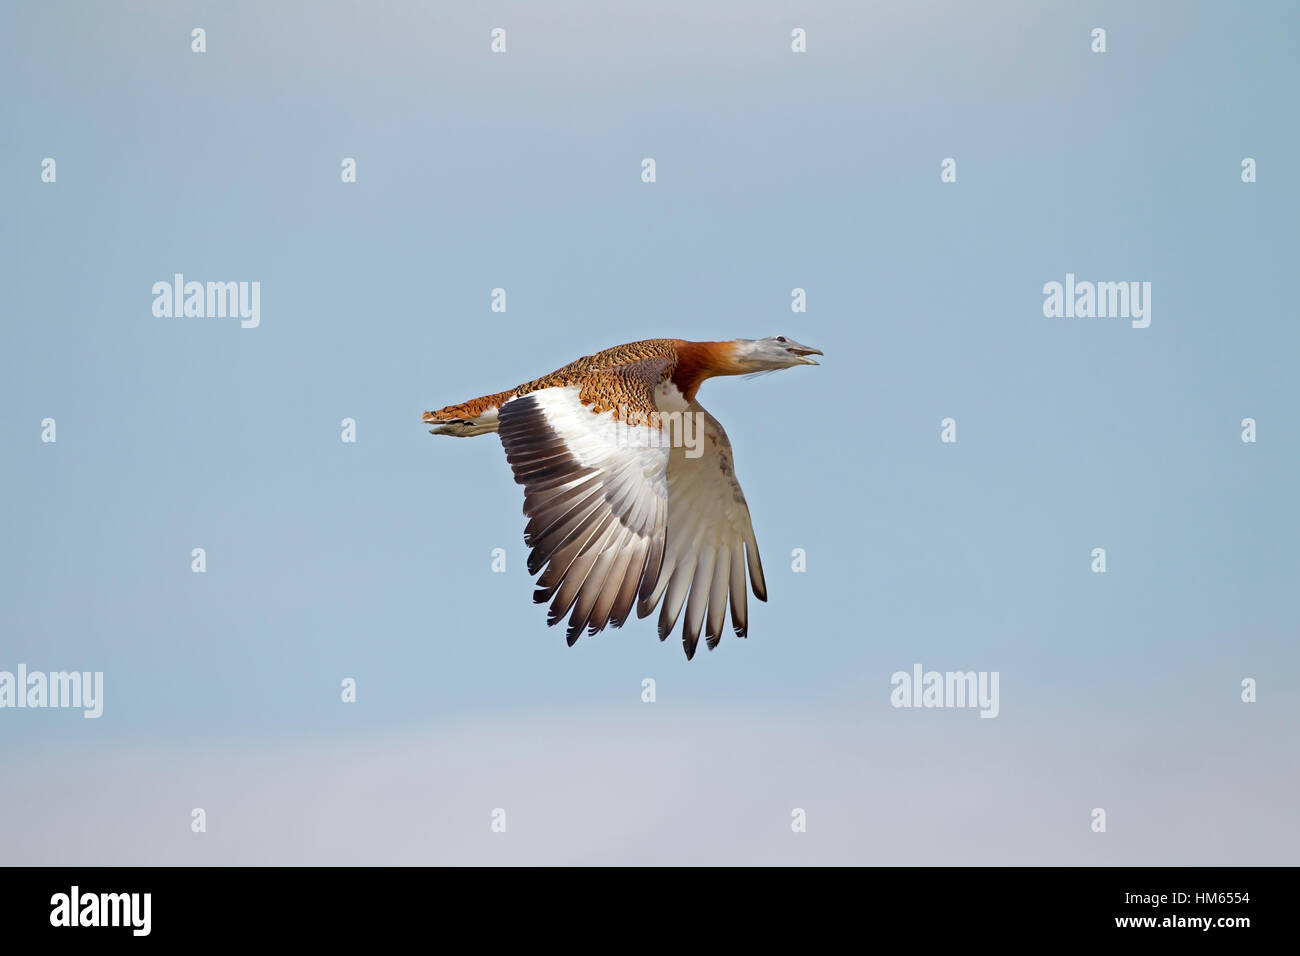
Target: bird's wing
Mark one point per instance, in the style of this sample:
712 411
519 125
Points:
595 492
710 540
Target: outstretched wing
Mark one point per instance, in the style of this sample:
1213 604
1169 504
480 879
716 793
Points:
710 539
595 492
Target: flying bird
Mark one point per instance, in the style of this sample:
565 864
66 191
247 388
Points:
629 488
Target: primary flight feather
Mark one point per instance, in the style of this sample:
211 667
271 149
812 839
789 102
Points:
629 488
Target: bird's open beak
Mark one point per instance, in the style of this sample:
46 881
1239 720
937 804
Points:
802 352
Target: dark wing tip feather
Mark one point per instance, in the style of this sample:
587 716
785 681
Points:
575 514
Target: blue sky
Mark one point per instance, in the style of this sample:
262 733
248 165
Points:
774 171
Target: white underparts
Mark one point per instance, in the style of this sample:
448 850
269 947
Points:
669 398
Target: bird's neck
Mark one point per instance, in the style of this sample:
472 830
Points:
697 361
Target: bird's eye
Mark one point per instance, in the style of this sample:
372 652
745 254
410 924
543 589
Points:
780 338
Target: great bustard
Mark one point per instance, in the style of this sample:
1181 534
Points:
628 483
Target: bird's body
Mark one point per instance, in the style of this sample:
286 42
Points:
629 485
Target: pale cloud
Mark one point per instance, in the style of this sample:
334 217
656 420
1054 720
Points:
660 789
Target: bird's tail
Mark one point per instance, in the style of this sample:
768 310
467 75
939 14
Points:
475 417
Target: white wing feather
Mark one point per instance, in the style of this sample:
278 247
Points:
616 514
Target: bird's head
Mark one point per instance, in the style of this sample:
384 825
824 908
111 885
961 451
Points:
772 353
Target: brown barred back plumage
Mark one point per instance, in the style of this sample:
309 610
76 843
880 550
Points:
620 377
